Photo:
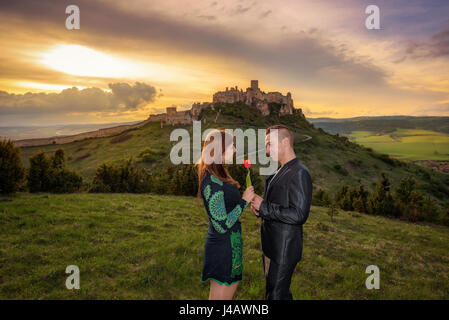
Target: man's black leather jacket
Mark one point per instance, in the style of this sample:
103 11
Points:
284 210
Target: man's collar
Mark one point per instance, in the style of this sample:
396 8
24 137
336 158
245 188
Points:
291 162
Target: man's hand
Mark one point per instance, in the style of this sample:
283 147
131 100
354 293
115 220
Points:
257 200
254 210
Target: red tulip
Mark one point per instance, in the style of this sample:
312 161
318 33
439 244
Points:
247 164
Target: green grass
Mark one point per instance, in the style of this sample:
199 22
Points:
409 144
147 246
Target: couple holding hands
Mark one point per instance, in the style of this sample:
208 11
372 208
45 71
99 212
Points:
283 210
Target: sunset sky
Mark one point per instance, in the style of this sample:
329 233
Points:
136 57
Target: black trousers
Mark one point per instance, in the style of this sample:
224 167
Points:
278 278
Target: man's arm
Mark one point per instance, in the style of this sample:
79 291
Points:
299 198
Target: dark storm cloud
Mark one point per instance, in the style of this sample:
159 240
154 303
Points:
121 98
101 23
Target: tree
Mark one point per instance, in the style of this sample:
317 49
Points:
11 168
408 198
38 174
344 197
332 210
381 202
360 201
58 159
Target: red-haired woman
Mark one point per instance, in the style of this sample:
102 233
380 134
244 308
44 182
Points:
223 259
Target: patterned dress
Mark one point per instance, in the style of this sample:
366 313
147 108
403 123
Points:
223 256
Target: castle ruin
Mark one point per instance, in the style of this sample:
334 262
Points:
253 96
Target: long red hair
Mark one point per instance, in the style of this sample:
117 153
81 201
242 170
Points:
216 169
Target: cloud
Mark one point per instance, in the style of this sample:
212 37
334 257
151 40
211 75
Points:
239 10
437 46
123 97
441 109
303 55
132 96
309 112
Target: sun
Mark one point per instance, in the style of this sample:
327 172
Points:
82 61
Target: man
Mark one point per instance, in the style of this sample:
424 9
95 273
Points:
283 209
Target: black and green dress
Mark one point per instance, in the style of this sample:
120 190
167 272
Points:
223 249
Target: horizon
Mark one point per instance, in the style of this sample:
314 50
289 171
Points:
127 62
135 121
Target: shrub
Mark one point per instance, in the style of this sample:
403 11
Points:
11 168
49 174
122 177
341 170
150 155
64 181
320 198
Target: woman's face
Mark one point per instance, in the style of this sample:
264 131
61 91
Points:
228 156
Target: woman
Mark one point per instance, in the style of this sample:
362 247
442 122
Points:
223 260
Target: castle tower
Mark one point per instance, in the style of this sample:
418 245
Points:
171 111
255 84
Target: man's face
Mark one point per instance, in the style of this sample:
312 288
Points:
272 145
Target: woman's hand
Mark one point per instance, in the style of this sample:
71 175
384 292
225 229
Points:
248 195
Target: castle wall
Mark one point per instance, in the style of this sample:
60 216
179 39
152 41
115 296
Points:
106 132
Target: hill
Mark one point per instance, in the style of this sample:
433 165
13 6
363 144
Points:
145 246
382 124
402 137
332 160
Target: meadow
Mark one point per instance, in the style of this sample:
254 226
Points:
146 246
407 144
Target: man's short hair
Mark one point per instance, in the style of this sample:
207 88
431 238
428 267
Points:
283 132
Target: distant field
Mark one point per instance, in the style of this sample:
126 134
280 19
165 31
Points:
131 246
409 144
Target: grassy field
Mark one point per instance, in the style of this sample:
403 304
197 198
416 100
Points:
409 144
130 246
